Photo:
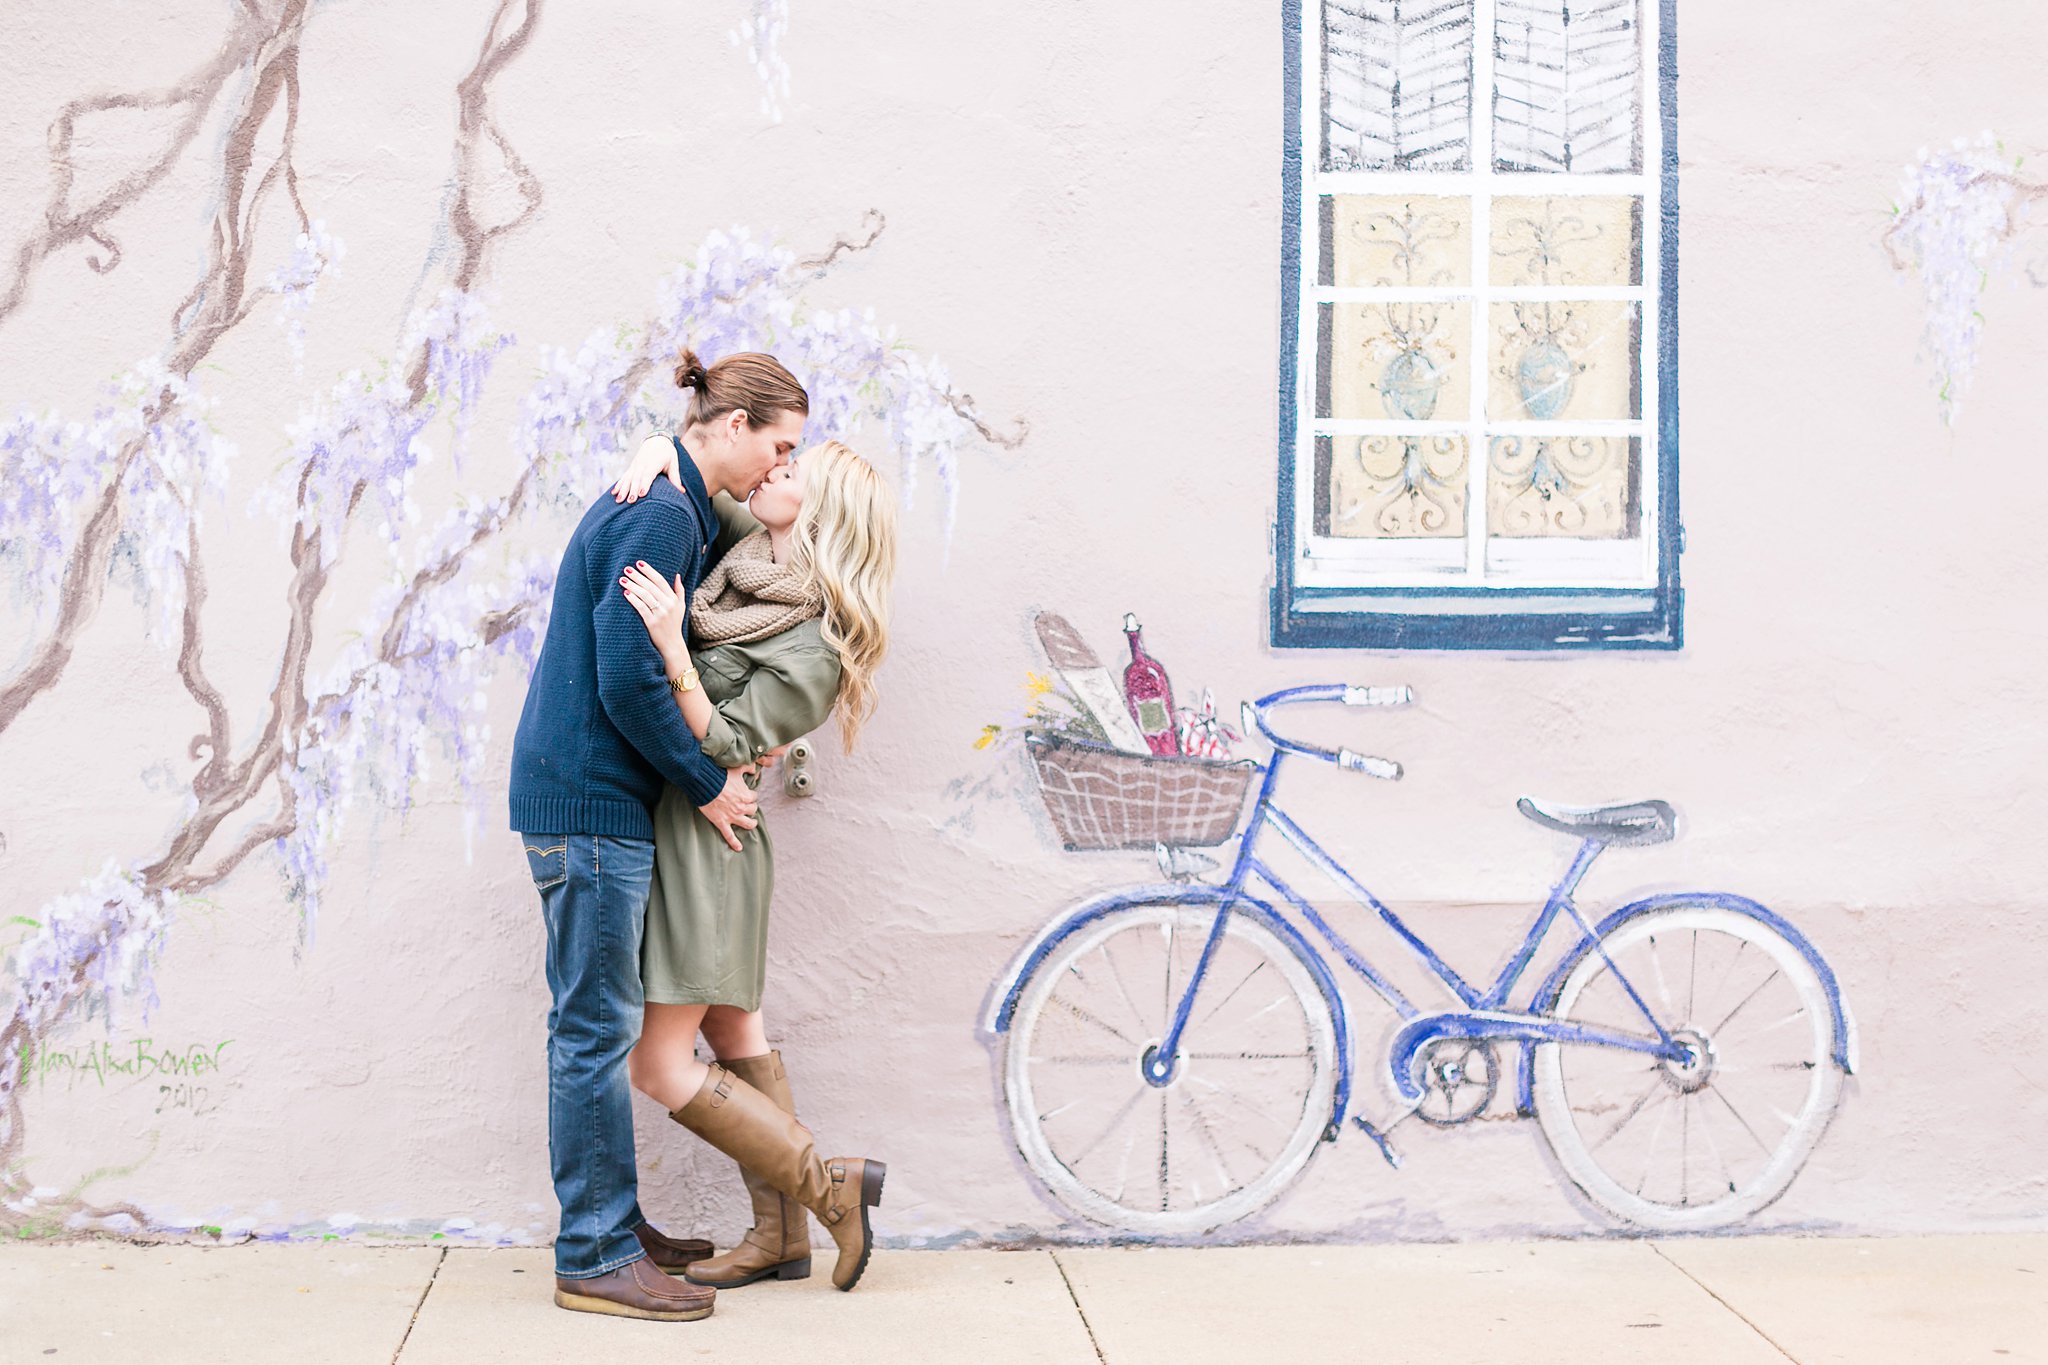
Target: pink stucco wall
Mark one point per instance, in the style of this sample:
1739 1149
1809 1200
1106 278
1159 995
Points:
1083 213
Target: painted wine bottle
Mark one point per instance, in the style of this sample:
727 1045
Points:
1148 694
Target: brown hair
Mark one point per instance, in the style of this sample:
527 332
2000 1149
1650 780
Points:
752 381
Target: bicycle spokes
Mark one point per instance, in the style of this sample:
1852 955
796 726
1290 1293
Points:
1236 1102
1672 1140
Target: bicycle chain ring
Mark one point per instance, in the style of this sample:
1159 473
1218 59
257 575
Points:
1460 1077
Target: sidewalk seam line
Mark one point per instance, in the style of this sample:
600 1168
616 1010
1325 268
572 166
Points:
425 1290
1079 1311
1740 1315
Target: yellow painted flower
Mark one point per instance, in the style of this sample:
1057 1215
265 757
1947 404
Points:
1037 687
988 736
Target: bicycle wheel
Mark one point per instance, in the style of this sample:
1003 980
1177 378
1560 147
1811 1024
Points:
1671 1147
1248 1101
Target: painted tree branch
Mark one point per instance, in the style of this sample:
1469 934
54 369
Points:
475 121
64 224
216 305
288 709
2019 194
221 796
872 224
192 672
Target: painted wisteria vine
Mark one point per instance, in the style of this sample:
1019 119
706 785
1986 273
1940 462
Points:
1960 211
761 35
140 484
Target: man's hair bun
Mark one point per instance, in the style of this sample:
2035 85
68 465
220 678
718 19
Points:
690 372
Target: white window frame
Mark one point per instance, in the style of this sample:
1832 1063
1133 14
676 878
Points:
1478 561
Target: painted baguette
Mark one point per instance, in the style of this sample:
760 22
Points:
1082 671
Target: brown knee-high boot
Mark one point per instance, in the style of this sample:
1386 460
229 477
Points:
779 1243
746 1125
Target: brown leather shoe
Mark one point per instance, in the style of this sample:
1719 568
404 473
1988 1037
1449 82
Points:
636 1290
747 1126
669 1254
779 1243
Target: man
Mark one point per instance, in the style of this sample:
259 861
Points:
599 735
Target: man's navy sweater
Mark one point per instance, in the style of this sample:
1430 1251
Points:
600 731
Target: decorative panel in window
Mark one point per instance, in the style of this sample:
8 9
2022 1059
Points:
1478 387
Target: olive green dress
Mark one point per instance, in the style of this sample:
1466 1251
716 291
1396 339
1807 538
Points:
707 910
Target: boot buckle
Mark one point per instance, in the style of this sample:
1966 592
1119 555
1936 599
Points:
836 1171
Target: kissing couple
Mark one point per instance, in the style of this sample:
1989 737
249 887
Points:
724 598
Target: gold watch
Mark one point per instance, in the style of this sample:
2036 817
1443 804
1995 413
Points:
686 681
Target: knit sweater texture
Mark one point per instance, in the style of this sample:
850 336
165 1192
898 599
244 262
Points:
600 731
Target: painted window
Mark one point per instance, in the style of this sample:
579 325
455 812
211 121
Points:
1478 392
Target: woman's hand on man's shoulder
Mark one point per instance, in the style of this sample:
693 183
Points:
655 459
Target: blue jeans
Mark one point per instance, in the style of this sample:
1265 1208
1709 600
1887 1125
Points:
593 895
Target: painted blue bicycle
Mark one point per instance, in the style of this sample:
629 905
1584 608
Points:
1174 1054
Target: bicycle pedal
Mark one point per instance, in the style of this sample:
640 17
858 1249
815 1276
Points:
1386 1146
1181 864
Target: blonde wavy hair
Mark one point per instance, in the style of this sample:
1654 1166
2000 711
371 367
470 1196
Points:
845 541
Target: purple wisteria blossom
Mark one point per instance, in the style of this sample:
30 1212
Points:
389 713
96 943
366 440
53 468
86 951
50 469
1958 212
413 679
314 253
761 35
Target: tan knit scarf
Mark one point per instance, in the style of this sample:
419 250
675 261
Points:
747 596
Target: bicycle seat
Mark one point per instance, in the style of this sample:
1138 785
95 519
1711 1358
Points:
1637 822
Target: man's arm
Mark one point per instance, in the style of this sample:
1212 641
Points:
630 682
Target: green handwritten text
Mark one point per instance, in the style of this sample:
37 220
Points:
108 1063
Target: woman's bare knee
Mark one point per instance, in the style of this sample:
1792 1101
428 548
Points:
669 1079
663 1065
734 1032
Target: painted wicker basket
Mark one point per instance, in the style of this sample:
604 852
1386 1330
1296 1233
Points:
1101 797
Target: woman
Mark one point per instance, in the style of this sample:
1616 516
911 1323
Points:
790 625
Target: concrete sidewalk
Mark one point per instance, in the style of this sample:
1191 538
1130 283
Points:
1924 1300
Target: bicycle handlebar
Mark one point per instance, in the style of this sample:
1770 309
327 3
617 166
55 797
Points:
1352 761
1349 760
1378 696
